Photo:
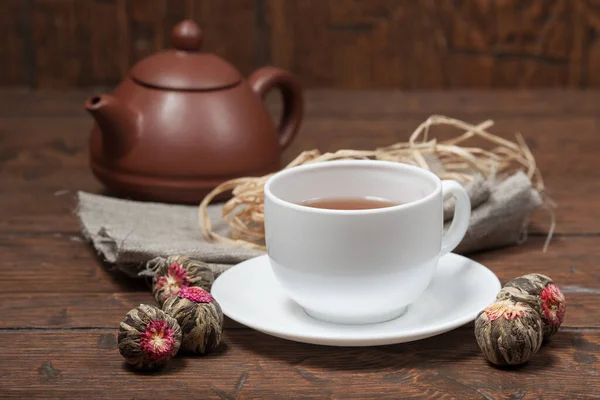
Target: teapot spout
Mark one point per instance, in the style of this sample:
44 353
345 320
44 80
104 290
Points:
118 124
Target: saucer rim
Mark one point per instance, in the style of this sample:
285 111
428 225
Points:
371 339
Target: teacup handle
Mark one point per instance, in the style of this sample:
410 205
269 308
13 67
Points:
462 215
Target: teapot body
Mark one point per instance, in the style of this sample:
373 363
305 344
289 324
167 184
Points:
183 121
187 142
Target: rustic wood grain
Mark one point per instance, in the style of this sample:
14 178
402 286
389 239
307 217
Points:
146 32
60 52
569 261
404 44
230 31
550 138
443 44
33 310
46 152
59 265
252 365
353 44
228 27
573 139
12 43
576 209
96 42
495 44
334 43
576 213
35 143
106 52
77 310
70 310
61 306
370 105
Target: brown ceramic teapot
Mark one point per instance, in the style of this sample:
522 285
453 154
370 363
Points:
183 121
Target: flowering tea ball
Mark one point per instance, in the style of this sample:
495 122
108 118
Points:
148 337
508 332
199 316
518 295
547 299
176 272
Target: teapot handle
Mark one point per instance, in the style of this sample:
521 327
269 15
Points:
263 80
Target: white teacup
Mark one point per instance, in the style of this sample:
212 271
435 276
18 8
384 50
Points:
359 266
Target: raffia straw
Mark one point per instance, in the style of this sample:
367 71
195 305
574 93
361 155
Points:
244 212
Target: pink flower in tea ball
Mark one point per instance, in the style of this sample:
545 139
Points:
553 305
200 318
175 279
148 337
158 340
542 294
196 294
173 273
506 310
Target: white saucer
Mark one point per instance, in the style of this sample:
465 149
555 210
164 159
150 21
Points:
249 294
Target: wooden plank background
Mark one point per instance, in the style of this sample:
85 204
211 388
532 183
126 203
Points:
354 44
61 305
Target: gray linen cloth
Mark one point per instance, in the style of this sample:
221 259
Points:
130 233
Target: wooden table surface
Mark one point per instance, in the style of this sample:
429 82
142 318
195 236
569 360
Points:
61 306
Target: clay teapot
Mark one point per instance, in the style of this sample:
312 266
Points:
182 122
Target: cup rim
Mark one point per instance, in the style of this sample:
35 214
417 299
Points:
340 163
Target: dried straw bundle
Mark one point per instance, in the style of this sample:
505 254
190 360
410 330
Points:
244 212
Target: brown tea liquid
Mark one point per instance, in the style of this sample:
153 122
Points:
348 203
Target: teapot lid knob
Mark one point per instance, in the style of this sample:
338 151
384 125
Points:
187 36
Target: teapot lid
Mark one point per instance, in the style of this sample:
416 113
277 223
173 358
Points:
184 67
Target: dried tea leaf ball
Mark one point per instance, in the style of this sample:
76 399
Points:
508 332
548 300
176 272
519 295
148 337
199 316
